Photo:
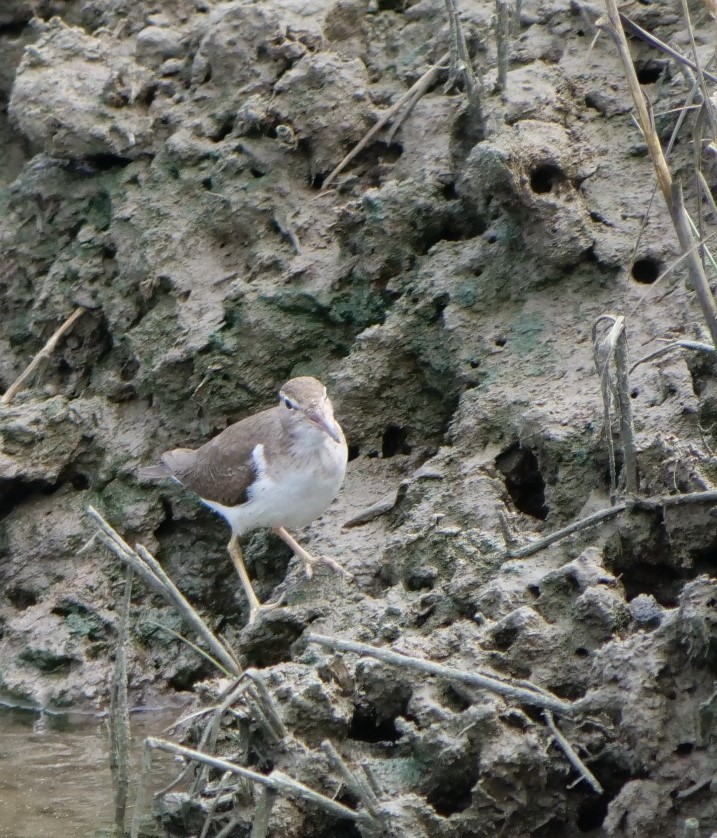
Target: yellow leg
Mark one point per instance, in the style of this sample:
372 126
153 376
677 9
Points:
308 560
235 551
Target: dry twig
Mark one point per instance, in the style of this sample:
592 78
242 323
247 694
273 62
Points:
44 353
153 574
355 784
119 713
614 346
411 95
277 781
671 191
538 698
572 757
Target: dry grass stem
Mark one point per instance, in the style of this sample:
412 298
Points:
277 781
670 347
263 698
44 353
654 41
502 36
141 790
214 802
559 535
671 192
414 92
355 784
119 713
614 346
262 813
153 574
537 698
572 757
460 60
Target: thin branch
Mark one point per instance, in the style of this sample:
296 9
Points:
277 781
119 713
559 535
671 192
355 784
44 353
262 813
670 347
526 696
152 572
572 757
417 89
654 41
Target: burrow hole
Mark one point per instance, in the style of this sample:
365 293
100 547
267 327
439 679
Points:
545 178
646 270
523 480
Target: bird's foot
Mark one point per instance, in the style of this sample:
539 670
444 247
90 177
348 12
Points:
308 561
256 608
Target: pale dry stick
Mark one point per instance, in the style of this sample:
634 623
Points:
583 524
707 193
616 342
671 192
268 703
119 713
42 355
262 813
602 367
520 694
418 88
604 515
516 17
153 574
502 36
228 828
208 739
214 802
678 344
141 790
354 783
654 41
572 757
706 93
277 780
460 59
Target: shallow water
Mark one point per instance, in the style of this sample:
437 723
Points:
55 780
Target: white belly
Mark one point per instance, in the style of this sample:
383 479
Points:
303 492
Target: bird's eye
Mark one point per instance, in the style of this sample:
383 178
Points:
288 404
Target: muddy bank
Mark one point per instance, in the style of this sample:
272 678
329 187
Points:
164 170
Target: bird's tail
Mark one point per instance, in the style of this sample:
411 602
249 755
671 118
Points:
154 472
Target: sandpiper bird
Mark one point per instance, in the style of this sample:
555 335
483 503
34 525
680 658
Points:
278 468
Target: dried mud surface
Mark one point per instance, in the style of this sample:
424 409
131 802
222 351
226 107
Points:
162 166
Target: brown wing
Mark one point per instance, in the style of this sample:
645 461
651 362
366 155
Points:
223 468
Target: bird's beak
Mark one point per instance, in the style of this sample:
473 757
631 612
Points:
326 423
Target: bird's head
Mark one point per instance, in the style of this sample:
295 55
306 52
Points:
304 399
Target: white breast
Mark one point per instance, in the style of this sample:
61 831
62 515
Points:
293 491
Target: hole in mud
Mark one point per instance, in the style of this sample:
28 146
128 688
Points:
504 638
13 30
449 191
22 598
501 341
523 480
365 726
391 5
452 699
534 591
648 72
634 393
455 793
544 178
646 270
581 652
684 749
354 451
591 813
394 442
661 580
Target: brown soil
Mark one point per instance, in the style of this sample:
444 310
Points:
163 167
